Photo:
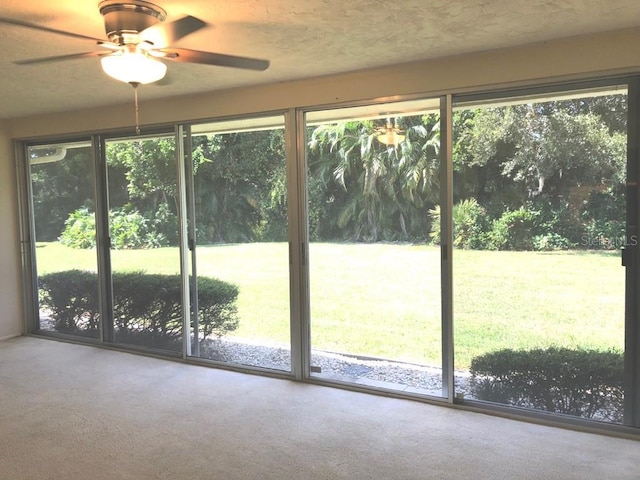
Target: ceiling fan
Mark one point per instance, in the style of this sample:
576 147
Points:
390 134
138 38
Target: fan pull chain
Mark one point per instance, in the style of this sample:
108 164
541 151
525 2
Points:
135 100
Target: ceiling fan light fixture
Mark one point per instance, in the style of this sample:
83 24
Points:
390 134
135 67
391 138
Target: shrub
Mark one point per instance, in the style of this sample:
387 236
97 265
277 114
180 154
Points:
585 383
127 229
79 229
603 218
147 307
72 298
469 224
558 219
550 241
513 230
603 234
163 227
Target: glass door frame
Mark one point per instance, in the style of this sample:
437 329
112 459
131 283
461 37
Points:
446 201
27 230
188 243
631 262
103 240
103 254
298 237
630 255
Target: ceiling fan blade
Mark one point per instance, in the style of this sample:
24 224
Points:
60 58
21 23
162 35
168 79
218 59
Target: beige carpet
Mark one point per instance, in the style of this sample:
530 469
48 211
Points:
76 412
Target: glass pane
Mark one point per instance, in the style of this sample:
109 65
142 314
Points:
372 180
242 253
143 228
539 218
62 183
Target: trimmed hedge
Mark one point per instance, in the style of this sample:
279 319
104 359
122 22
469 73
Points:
147 307
72 299
584 383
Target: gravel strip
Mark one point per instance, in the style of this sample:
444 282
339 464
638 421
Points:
365 371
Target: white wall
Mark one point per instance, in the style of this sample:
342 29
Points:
578 57
11 318
570 59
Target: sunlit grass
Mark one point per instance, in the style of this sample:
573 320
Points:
383 300
532 299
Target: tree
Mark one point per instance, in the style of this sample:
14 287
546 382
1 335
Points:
150 169
546 157
60 188
240 186
365 190
521 152
143 180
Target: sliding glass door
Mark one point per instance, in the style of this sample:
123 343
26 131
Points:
238 236
539 221
374 274
364 246
62 190
144 242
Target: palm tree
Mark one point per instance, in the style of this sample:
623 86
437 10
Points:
376 191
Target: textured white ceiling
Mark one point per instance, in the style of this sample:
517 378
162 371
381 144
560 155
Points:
301 38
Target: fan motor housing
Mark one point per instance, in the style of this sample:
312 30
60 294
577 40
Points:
122 19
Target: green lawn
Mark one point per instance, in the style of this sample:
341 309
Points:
384 299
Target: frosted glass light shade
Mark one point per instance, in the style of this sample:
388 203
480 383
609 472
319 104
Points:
133 67
390 137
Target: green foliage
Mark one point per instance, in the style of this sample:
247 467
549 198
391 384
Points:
79 229
149 166
240 187
585 383
521 229
147 307
533 154
604 220
539 147
538 153
514 230
469 224
558 224
162 227
59 188
72 298
127 229
550 241
363 190
142 193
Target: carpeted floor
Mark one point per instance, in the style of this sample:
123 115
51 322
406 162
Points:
75 412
